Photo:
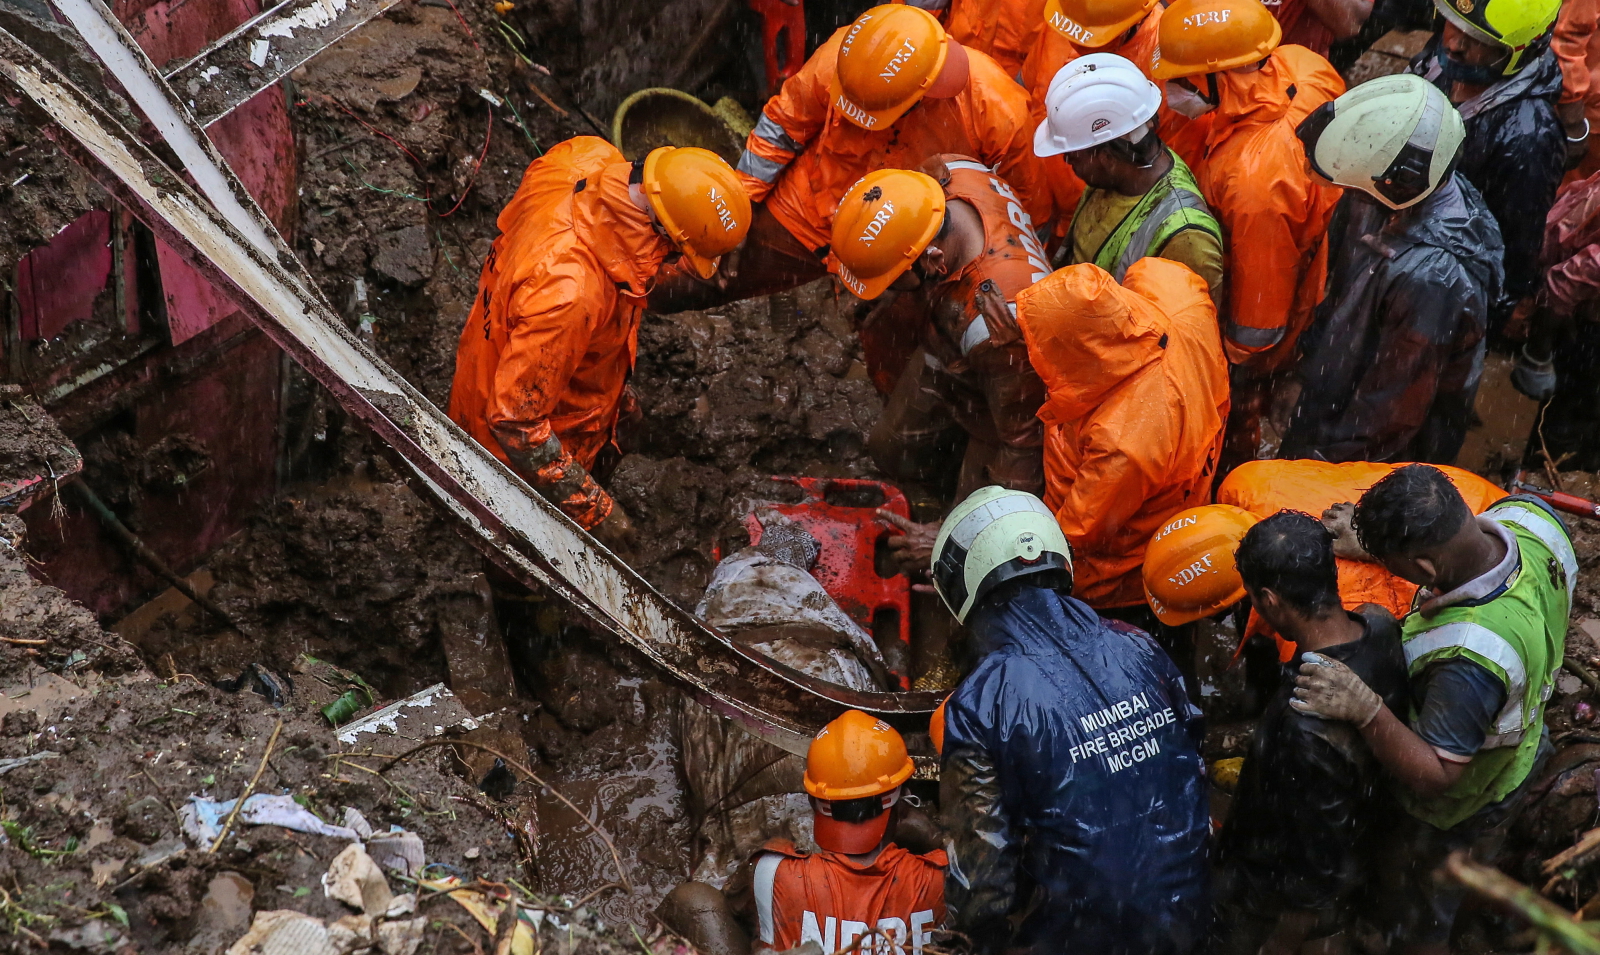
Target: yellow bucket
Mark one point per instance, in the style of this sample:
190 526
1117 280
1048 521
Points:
667 117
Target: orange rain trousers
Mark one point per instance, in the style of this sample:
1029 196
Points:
545 355
1138 391
803 155
1266 487
1005 30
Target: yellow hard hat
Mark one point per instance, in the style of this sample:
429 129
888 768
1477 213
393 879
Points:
1189 566
889 58
882 224
699 201
1095 23
1209 36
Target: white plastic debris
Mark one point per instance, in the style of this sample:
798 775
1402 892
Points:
202 818
357 823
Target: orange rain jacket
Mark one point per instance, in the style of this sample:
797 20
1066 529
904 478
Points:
1266 487
546 353
1050 52
1252 171
825 897
1138 394
803 155
1005 30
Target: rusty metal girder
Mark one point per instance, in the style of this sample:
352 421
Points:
236 248
264 50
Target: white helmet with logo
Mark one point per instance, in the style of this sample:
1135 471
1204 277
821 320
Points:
995 535
1395 138
1094 99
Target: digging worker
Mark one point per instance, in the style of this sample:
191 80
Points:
1073 29
886 92
1223 57
1141 199
545 355
1482 646
859 886
1004 29
1298 844
1071 783
961 243
1391 365
1493 60
1109 353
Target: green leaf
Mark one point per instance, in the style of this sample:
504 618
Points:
119 913
210 780
301 891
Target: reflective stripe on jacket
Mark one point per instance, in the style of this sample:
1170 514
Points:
1252 171
1520 637
1172 205
803 155
825 898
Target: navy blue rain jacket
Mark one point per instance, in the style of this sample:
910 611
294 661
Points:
1072 785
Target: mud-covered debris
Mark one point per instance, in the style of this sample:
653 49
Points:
354 879
202 818
404 256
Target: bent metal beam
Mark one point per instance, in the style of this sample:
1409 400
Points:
512 524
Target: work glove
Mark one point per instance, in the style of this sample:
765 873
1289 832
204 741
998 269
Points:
617 532
1534 378
1329 690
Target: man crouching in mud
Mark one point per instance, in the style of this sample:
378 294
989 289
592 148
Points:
752 801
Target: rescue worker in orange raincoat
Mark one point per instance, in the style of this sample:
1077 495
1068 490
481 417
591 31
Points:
859 881
1006 30
1223 57
1137 395
959 244
886 92
544 358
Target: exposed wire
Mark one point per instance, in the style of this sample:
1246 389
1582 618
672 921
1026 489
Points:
488 134
464 25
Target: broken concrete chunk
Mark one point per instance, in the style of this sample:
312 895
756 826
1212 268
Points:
354 879
404 255
399 726
282 932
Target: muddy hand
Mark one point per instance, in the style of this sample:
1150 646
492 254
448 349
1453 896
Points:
912 548
728 268
1328 689
1340 522
617 533
996 313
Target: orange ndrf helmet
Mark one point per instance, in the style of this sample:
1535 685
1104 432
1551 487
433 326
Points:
888 60
1189 566
1210 36
699 201
854 770
1095 23
882 225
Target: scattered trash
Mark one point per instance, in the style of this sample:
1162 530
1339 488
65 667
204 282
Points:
202 817
1225 773
352 702
7 765
357 823
354 879
399 850
401 938
1583 712
486 910
282 932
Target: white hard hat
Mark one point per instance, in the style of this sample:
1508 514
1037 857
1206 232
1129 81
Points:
993 536
1395 138
1094 99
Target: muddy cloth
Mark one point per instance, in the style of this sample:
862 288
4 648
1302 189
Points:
544 358
740 790
1515 155
1252 172
972 377
1570 255
1392 364
1298 834
803 155
1072 785
1138 390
